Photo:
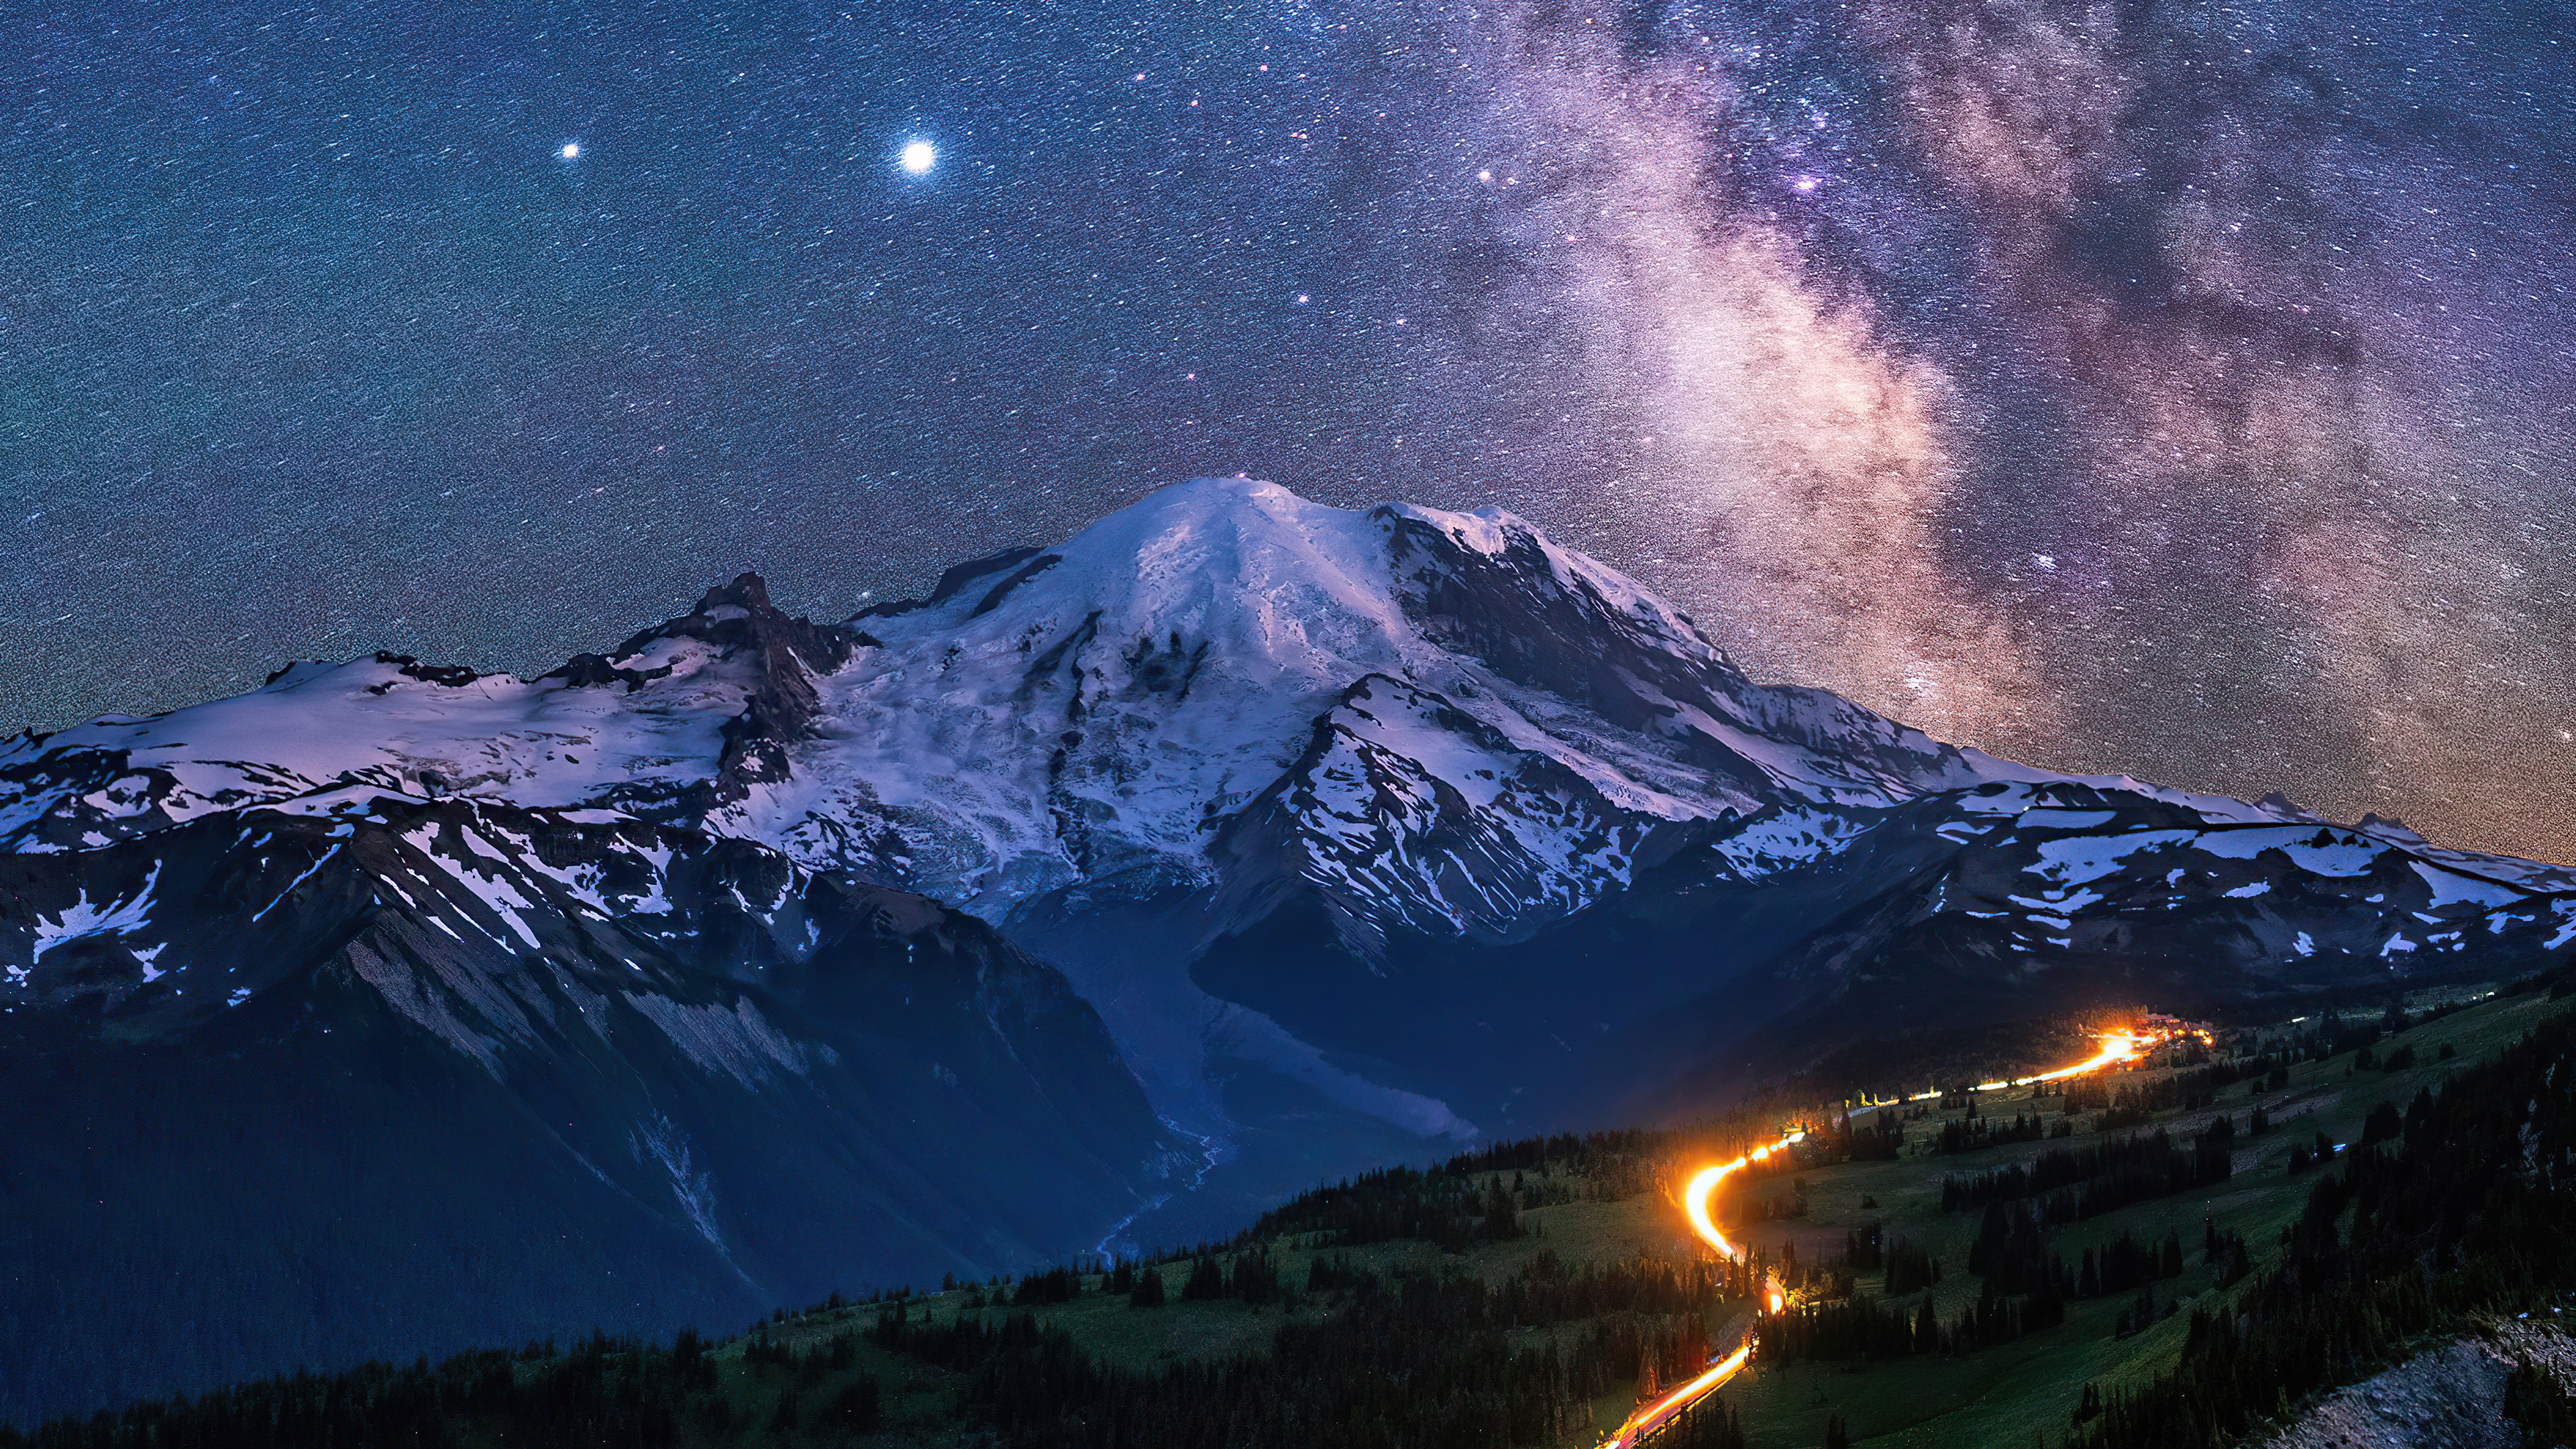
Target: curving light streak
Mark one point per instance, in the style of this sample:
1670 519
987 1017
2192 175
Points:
1695 1203
1695 1197
2116 1047
1679 1399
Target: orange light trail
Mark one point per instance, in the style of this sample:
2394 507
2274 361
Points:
2117 1047
1679 1399
1695 1197
1695 1203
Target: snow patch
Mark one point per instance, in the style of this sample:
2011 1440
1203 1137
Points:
2450 888
691 1186
2054 819
2073 860
2343 854
319 862
83 919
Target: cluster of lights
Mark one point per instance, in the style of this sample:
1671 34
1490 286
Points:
2115 1048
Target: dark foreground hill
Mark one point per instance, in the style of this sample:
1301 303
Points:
377 1076
2171 1257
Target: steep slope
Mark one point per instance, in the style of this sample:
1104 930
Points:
366 1074
1362 828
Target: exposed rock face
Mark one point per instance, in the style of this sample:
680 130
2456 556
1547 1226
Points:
781 655
2452 1397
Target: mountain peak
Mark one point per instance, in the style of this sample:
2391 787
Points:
739 616
785 654
748 591
1321 790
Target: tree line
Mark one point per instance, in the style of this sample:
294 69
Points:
2456 1206
2084 1182
1462 1200
1412 1359
601 1391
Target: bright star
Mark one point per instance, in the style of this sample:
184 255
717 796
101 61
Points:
918 157
572 151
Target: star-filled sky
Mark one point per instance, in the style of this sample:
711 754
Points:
2183 389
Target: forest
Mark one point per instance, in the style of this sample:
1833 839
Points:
1429 1308
2454 1207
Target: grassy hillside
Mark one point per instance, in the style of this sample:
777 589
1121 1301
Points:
1519 1295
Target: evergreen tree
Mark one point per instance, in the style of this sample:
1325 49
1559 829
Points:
1148 1292
1206 1282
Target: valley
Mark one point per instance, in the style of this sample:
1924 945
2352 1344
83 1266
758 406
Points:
1537 1293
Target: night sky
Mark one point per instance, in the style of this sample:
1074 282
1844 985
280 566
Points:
2178 389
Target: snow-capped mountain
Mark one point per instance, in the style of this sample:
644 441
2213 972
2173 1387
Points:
1080 715
1321 809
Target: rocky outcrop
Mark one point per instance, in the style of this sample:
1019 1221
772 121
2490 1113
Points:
784 654
2457 1396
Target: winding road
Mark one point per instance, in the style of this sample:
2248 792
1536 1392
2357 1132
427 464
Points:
1651 1420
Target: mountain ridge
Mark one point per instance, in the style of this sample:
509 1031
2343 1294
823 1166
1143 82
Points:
366 1074
1286 790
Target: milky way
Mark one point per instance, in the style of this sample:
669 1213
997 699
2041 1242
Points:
2173 389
